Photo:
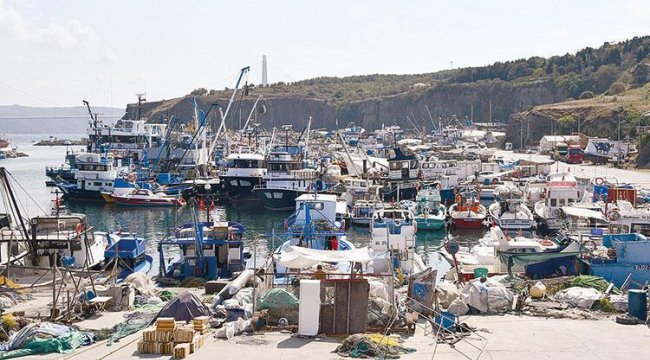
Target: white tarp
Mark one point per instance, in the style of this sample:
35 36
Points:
296 257
583 213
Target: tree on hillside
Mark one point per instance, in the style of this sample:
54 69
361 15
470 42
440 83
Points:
199 92
605 76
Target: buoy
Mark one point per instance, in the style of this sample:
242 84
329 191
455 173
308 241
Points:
599 181
538 290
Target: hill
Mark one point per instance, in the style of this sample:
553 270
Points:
16 119
495 92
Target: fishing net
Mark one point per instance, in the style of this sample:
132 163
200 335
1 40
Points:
278 299
372 345
62 344
133 323
588 281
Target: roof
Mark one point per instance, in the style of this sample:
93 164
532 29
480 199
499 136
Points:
314 197
556 138
245 156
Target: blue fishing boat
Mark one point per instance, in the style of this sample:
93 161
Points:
208 249
313 225
626 255
128 251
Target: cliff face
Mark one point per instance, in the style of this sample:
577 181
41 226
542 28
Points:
443 100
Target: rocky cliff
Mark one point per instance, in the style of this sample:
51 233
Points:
442 99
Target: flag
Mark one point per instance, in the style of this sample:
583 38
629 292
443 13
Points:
212 205
201 205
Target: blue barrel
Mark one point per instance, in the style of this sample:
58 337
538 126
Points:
637 304
446 320
212 267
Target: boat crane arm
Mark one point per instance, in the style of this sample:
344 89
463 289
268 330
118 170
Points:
250 115
347 152
243 72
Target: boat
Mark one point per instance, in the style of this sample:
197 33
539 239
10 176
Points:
430 213
314 226
143 197
512 214
393 236
128 253
207 249
66 240
244 171
561 190
362 211
93 176
467 212
286 178
486 254
629 218
624 260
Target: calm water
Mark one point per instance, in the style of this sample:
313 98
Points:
155 223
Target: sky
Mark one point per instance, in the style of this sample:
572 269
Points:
56 53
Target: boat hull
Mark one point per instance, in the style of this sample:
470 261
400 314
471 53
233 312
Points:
430 223
468 223
277 199
240 189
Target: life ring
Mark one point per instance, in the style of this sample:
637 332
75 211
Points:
546 243
599 181
613 215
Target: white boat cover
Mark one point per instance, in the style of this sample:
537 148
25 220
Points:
296 257
583 213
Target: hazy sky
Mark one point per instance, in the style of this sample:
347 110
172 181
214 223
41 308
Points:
55 53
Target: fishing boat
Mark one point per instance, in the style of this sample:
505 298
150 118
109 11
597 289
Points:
93 176
244 171
66 240
624 258
393 236
143 197
207 249
128 253
467 212
561 190
512 214
286 178
430 213
314 226
362 211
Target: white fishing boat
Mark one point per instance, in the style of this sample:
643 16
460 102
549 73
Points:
512 214
561 190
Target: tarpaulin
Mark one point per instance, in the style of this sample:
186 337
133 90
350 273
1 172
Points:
583 213
296 257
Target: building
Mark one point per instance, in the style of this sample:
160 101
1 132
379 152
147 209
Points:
548 142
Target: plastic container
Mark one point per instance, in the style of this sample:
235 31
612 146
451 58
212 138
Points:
67 261
637 304
446 320
481 271
211 261
234 314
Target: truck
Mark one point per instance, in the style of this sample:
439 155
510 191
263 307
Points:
560 151
575 155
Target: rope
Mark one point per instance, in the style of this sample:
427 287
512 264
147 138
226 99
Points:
27 193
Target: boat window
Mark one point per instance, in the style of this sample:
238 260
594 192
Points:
553 202
318 206
414 164
405 164
97 183
562 202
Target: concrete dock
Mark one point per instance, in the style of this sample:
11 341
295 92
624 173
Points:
506 337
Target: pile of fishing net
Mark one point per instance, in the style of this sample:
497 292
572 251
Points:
280 303
44 338
594 282
132 323
372 345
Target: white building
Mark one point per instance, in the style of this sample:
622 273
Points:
548 142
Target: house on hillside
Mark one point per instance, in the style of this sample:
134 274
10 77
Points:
548 142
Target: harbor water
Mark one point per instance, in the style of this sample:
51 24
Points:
154 224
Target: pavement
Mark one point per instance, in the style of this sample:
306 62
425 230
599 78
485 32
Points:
497 337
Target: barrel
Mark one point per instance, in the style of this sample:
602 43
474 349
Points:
446 320
637 304
212 267
480 271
